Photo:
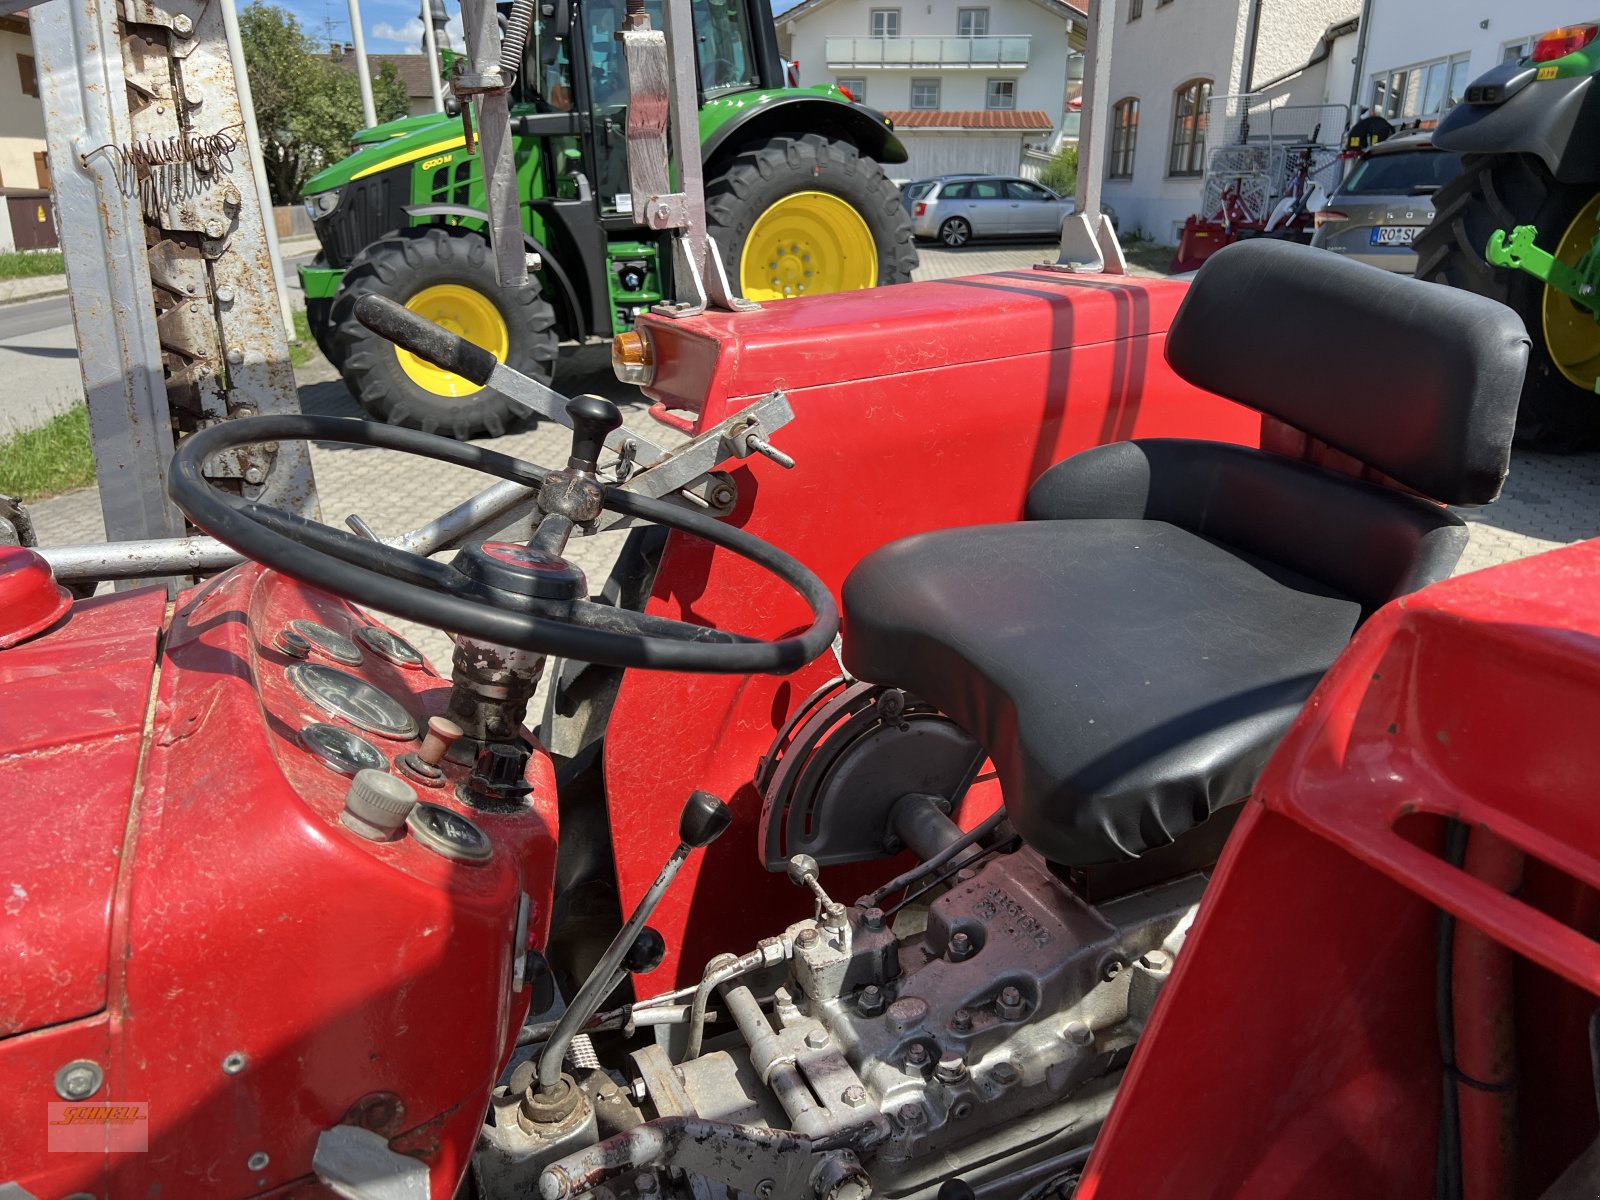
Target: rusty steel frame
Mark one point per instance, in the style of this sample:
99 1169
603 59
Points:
163 231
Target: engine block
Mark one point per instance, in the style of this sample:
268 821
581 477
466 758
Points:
980 1038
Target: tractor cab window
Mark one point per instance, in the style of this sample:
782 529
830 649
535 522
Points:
723 45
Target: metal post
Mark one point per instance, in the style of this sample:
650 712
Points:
78 48
1088 243
363 72
258 168
432 48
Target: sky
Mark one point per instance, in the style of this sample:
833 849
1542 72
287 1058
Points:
392 26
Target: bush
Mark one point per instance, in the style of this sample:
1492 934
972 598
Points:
1061 173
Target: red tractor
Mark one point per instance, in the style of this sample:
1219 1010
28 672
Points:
991 898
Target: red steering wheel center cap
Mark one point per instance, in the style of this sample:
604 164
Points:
30 598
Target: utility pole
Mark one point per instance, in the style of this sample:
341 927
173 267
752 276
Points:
363 73
431 46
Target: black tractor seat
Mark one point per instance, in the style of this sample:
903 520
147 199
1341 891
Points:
1131 652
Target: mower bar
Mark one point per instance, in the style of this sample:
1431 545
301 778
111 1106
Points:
437 345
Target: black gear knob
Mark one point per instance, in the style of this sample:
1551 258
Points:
593 417
646 953
703 820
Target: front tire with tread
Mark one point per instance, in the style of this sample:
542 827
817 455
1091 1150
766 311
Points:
1502 191
399 266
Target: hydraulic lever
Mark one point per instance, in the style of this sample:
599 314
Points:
703 821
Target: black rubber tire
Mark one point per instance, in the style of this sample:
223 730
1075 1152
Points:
319 317
1500 191
401 264
955 233
756 178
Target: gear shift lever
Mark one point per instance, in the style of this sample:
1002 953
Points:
703 821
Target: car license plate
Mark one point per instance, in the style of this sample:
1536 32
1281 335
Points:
1395 235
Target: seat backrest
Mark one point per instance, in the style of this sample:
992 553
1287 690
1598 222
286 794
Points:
1416 379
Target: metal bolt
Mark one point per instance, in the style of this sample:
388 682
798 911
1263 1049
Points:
1009 1003
817 1039
870 1001
916 1056
258 1161
225 295
951 1069
806 939
1156 960
962 1021
182 25
911 1114
234 1063
215 229
79 1080
255 475
854 1095
872 918
1004 1073
235 357
1078 1033
766 1189
960 947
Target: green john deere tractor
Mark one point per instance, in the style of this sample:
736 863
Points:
795 199
1520 223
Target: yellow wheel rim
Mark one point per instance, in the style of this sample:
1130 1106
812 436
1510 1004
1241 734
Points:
462 311
807 244
1571 333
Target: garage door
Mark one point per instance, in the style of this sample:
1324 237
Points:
948 153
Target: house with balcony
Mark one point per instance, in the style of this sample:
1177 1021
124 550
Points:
969 87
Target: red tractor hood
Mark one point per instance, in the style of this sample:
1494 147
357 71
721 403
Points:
73 707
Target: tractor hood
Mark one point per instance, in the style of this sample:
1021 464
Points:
73 708
428 135
399 128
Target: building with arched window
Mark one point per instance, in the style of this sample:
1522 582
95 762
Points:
1175 67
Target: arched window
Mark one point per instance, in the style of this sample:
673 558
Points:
1124 134
1190 105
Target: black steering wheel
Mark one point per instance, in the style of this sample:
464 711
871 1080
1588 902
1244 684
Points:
470 596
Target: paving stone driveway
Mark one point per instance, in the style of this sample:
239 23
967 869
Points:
1549 500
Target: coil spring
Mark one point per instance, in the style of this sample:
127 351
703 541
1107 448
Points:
162 170
515 39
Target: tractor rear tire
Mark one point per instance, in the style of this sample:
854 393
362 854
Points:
1501 191
446 274
825 218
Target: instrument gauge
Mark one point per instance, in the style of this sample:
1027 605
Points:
330 641
389 645
356 700
340 750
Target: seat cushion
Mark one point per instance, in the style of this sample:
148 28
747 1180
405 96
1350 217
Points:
1127 677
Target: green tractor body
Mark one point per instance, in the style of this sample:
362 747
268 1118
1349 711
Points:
1522 223
795 199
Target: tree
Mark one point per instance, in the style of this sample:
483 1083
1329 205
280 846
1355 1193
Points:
1060 174
307 105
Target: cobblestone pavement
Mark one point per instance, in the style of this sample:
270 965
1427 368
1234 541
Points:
1549 500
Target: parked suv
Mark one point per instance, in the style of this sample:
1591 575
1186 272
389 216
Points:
1385 202
957 208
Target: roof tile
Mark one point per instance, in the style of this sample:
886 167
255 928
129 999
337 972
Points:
1025 120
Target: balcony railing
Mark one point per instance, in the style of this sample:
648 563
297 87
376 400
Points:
930 52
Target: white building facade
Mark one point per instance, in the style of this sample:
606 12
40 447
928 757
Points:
27 220
967 85
1175 63
1419 55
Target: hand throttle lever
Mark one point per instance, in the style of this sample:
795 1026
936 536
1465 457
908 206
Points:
703 820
